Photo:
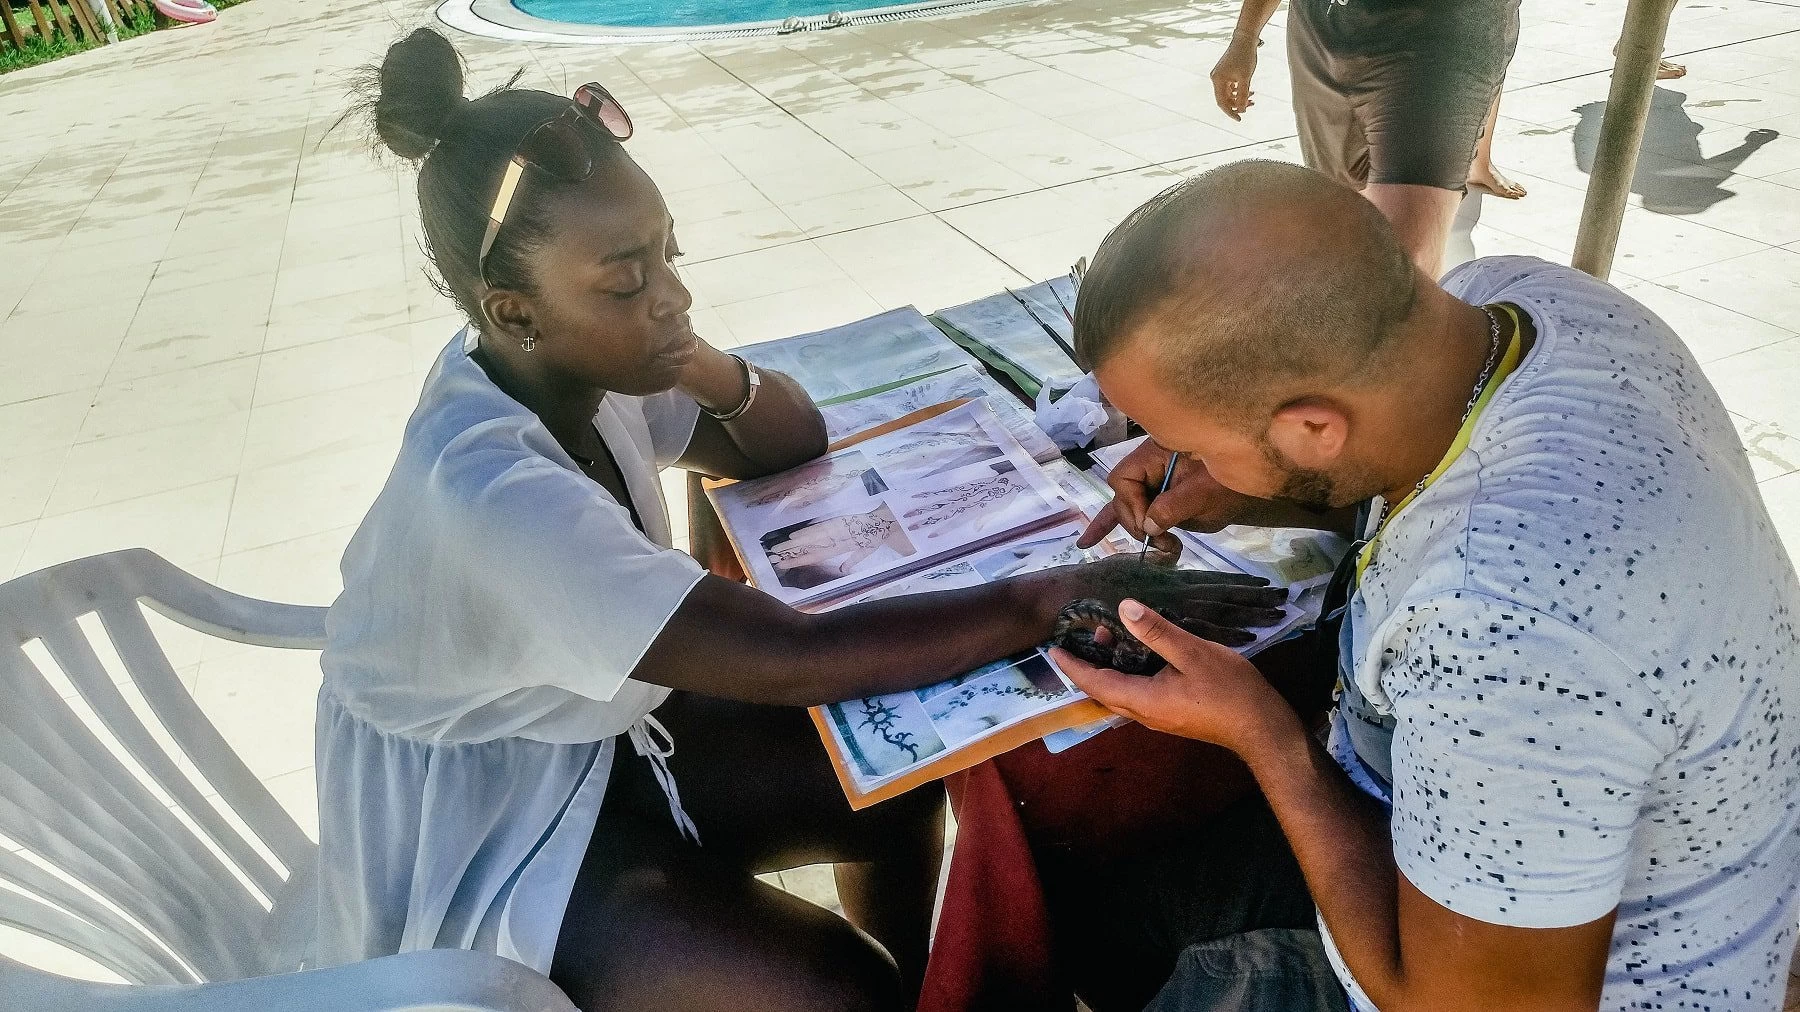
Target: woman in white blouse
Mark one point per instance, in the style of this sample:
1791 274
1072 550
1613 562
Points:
512 608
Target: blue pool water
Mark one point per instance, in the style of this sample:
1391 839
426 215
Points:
685 13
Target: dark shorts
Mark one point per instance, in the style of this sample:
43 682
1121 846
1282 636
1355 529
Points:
1397 91
1267 970
1223 905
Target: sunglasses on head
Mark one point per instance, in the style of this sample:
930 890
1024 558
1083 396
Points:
560 149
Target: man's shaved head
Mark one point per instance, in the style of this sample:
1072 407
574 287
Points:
1249 282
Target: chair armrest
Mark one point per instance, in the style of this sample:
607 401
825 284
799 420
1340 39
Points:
436 980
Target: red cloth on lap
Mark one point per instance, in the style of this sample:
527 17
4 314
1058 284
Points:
1106 798
995 941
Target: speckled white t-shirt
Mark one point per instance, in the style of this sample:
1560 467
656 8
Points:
1584 633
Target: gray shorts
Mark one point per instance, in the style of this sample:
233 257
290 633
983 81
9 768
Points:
1397 91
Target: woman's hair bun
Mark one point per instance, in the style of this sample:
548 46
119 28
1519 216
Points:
420 87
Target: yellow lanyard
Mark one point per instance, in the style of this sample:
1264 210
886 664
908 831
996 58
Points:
1508 363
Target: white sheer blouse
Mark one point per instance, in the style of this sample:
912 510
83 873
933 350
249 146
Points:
495 602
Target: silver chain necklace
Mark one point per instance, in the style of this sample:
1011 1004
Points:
1481 382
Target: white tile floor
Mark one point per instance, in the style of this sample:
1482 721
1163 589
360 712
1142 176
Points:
215 317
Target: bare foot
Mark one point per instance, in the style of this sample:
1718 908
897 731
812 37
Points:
1489 179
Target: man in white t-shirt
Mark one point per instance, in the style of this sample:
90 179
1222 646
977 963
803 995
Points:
1563 769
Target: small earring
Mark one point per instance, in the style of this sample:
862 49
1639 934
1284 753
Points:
529 342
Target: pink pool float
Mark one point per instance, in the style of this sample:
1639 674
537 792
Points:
193 12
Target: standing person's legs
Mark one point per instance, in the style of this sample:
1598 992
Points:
1393 99
1421 216
1483 174
1332 98
1424 101
1666 69
1331 137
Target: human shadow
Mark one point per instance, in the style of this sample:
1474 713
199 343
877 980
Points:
1672 176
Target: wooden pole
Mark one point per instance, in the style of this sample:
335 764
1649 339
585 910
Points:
1621 134
117 9
12 24
62 20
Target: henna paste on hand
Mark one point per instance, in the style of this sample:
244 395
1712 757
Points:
1078 630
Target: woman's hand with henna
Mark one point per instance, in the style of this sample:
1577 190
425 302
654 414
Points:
1217 606
1204 692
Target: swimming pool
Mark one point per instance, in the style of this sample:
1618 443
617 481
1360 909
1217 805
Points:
624 21
676 13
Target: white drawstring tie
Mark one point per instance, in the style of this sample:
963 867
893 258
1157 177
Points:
647 746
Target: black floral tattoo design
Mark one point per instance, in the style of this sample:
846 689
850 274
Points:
882 719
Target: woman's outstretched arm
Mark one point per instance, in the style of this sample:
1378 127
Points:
735 642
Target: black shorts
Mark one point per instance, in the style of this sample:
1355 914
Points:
1397 91
1132 917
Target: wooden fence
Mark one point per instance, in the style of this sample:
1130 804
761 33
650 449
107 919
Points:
74 20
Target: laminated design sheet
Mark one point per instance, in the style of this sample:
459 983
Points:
844 417
1008 332
887 506
897 346
885 745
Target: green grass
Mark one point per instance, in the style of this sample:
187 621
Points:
142 23
38 50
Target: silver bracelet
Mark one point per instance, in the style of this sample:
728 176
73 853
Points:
752 383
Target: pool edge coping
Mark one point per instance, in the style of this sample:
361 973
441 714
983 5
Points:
499 19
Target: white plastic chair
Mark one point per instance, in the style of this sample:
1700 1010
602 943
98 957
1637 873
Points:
186 903
435 980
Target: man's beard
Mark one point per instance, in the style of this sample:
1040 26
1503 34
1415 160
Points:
1306 488
1310 490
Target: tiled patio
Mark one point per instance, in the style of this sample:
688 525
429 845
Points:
215 319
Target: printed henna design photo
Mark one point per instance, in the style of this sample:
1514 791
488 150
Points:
969 507
815 552
813 483
935 452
